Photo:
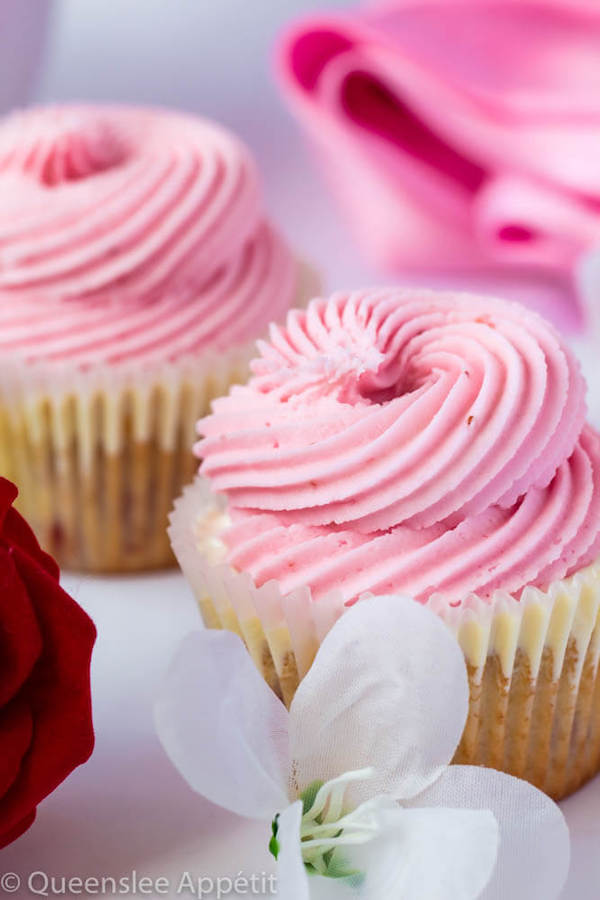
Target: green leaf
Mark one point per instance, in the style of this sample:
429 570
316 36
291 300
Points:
308 796
274 846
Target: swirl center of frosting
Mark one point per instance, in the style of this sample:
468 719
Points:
60 145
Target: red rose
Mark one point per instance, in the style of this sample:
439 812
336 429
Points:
46 644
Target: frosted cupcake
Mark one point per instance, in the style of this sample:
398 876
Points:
136 269
420 443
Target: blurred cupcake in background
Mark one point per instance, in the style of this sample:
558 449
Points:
427 444
136 269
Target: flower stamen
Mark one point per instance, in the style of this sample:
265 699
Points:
326 828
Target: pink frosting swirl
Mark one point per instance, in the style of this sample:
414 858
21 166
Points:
131 233
408 441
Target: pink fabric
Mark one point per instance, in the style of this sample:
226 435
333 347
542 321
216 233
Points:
458 134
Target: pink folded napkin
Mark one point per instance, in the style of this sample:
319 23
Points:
458 134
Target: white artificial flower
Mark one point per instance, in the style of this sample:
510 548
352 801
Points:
354 783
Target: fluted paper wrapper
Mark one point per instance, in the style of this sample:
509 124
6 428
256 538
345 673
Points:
532 663
99 456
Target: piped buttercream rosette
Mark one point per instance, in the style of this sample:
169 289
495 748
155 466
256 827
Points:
131 234
421 443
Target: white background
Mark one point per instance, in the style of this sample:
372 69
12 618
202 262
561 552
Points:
127 809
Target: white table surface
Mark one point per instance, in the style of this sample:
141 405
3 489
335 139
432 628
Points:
127 809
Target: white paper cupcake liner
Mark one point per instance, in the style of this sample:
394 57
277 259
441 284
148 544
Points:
98 456
92 404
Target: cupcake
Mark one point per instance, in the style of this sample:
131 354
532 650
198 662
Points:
136 269
427 444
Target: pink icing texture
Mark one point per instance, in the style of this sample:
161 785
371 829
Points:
419 442
131 234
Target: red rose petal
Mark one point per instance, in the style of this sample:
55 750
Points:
8 494
46 641
20 638
16 731
8 837
58 693
17 532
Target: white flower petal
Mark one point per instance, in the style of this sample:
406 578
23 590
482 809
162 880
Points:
438 854
330 889
388 689
292 880
533 859
223 728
